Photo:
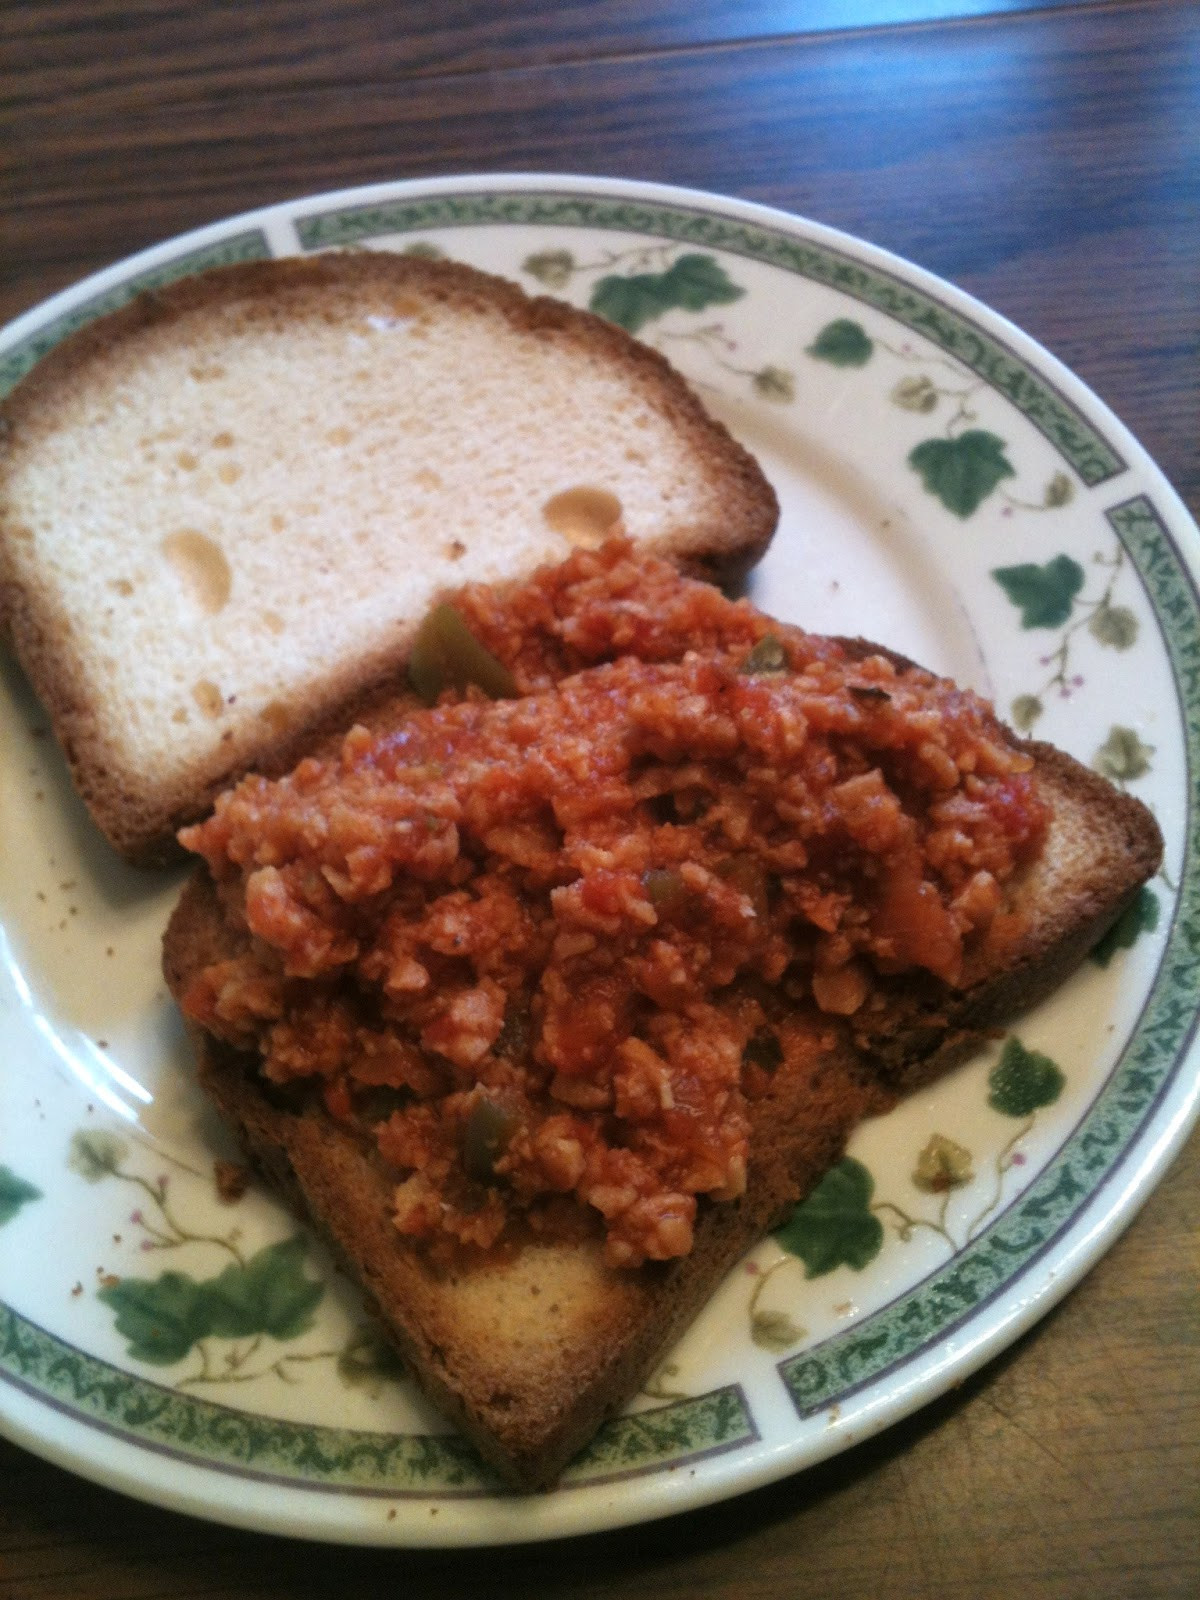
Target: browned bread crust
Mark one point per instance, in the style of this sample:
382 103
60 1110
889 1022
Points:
102 639
529 1355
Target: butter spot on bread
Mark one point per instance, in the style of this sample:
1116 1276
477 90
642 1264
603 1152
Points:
585 515
201 567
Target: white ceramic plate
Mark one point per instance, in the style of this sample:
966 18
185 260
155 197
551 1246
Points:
947 489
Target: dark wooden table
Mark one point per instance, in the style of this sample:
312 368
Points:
1044 156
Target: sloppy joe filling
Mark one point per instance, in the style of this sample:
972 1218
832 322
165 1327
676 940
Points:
541 951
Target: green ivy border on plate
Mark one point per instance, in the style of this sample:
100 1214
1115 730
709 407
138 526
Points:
1076 440
308 1455
27 352
819 1377
200 1430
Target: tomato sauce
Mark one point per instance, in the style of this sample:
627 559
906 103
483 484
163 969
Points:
538 949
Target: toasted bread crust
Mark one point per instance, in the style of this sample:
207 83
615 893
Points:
140 796
530 1391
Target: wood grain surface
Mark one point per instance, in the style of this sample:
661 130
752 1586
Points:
1045 157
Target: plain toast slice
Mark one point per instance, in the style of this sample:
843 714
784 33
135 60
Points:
226 508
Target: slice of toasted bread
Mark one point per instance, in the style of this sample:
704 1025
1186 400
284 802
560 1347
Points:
528 1354
225 509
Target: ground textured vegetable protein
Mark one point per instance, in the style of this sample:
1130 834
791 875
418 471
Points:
541 951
